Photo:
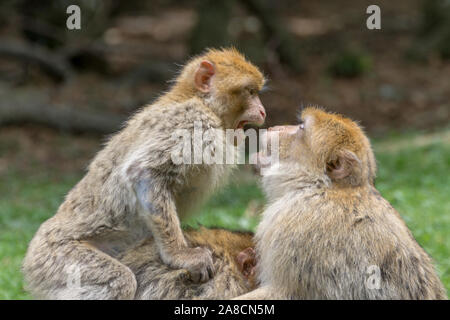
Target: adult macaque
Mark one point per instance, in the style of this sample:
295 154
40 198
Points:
327 233
233 259
133 190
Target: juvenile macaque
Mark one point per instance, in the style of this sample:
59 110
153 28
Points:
233 259
327 233
133 189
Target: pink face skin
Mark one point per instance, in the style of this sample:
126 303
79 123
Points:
254 114
286 134
289 130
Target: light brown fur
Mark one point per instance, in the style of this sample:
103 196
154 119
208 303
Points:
133 190
158 281
326 224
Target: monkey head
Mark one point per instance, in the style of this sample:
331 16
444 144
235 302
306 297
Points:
322 146
228 84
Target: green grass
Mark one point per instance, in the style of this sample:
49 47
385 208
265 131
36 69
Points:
24 205
226 208
416 182
413 179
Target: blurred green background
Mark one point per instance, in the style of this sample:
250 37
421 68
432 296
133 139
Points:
63 91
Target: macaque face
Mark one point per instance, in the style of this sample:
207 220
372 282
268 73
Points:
293 145
251 109
234 92
243 105
323 143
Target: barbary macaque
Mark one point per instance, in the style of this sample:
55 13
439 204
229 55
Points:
133 190
327 233
233 258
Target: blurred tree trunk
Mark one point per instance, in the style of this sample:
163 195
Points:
434 30
214 18
211 27
33 106
51 63
274 31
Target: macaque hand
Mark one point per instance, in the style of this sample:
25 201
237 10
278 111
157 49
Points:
197 261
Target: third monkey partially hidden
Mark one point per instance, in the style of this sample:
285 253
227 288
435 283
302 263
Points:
233 258
133 190
327 233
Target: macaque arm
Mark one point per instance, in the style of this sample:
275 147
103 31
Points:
161 216
263 293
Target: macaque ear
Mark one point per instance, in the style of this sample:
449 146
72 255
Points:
344 165
203 76
246 261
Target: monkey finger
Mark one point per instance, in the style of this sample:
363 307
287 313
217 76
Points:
195 276
204 275
211 272
184 275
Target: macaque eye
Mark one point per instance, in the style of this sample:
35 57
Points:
252 91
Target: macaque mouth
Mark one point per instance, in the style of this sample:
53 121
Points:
241 124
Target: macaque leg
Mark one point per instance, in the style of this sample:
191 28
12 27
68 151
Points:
263 293
165 226
80 271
